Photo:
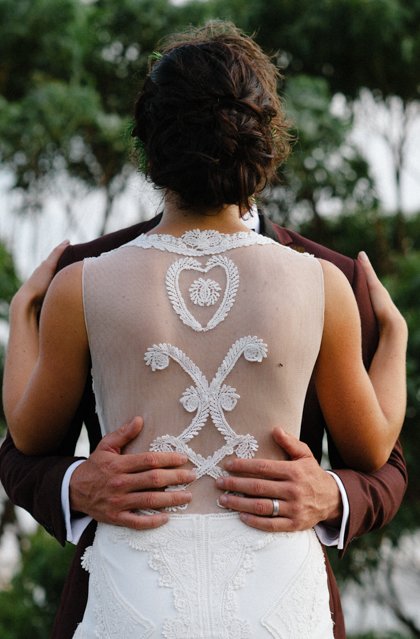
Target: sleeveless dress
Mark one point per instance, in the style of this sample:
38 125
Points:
212 338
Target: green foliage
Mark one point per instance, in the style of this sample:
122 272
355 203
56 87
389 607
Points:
379 635
9 283
324 167
65 108
351 43
29 604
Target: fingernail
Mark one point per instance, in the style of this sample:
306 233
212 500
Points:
244 517
222 499
220 482
64 242
363 256
228 465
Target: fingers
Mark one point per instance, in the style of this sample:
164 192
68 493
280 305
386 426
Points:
293 447
119 438
253 486
383 306
374 284
151 500
269 524
261 507
56 253
37 284
142 522
133 463
257 513
154 479
258 468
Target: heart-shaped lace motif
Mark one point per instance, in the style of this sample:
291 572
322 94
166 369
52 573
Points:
205 291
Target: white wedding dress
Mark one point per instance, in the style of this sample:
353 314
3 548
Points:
212 338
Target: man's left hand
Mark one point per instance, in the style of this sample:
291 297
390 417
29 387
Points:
307 494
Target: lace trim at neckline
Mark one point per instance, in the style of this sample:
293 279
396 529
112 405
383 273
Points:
196 242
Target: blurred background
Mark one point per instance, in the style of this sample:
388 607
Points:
69 73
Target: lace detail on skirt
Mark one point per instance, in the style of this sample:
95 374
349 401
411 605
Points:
205 577
114 617
299 612
203 566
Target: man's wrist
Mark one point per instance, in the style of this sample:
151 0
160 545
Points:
75 521
334 503
332 532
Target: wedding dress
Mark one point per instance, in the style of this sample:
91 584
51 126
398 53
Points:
212 338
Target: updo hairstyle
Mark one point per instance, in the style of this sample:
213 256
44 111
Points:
209 119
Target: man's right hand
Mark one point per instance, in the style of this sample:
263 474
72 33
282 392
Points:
109 486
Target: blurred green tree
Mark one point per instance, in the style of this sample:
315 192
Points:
325 172
29 604
68 77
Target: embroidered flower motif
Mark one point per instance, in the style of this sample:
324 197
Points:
247 448
162 445
203 239
204 292
190 399
155 358
255 351
228 397
198 243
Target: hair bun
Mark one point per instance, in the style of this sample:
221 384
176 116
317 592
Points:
208 116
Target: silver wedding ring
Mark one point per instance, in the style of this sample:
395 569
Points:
276 507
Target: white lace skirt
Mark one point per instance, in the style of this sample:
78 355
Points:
205 577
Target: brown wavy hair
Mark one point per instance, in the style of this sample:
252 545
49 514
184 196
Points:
209 118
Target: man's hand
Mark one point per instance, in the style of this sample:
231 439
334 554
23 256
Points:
307 494
109 486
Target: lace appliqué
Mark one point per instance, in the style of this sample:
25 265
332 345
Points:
202 292
114 616
300 613
207 399
195 243
203 568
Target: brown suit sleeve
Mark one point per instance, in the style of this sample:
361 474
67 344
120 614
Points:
374 498
34 483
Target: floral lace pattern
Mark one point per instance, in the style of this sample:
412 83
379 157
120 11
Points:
195 243
114 616
200 595
299 613
202 292
207 399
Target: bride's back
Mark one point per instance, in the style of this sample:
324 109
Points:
212 338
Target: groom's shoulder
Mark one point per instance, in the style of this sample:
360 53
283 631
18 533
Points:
108 242
303 244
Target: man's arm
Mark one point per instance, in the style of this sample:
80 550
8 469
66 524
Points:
373 498
34 483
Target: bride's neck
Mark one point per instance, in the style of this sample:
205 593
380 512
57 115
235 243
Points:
176 220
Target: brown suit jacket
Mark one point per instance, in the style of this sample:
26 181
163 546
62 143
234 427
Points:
35 482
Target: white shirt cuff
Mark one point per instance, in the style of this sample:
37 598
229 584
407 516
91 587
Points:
74 525
331 535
